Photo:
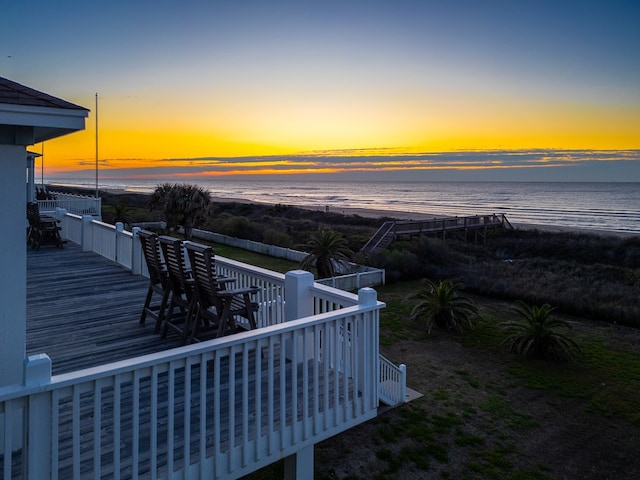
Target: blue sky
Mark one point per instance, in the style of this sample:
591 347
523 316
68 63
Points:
183 80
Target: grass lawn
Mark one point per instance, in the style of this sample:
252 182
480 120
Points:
265 261
489 414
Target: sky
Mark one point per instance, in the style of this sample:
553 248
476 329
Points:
507 90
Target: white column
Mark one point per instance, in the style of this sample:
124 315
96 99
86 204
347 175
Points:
31 181
299 466
13 264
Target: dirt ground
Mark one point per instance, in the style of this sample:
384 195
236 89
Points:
496 427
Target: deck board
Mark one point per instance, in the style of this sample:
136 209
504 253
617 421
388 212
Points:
83 310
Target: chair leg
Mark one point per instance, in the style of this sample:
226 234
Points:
161 310
147 302
167 320
190 332
250 313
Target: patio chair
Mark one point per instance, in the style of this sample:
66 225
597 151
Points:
41 228
158 279
181 286
216 306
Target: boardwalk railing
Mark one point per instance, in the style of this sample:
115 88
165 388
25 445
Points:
218 409
477 224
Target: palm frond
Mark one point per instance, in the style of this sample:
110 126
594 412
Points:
535 333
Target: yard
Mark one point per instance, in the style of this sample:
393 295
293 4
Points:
487 413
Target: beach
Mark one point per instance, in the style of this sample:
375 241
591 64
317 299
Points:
369 212
601 207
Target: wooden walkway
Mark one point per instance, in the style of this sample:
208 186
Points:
84 310
475 226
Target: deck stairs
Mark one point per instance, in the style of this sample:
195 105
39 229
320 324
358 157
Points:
468 228
380 240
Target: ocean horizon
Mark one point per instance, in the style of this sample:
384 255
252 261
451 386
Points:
607 206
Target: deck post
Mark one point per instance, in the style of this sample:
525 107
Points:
367 338
297 295
37 371
136 252
299 466
87 233
298 303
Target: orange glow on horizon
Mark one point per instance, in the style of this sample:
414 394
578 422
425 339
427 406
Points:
241 140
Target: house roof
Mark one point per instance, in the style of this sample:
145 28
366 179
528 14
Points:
16 94
28 116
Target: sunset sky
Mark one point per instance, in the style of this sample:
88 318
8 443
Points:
360 88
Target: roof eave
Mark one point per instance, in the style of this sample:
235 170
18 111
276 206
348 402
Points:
47 122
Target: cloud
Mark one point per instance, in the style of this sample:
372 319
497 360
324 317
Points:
381 163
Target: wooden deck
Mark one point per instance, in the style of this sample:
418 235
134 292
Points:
83 310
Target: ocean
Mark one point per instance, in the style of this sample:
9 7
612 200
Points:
588 205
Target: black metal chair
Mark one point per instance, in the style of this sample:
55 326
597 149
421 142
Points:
158 279
216 306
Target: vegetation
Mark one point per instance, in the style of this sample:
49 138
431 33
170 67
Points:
443 305
326 251
582 274
488 414
534 333
592 276
183 205
485 413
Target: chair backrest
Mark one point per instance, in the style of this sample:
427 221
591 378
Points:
33 213
204 273
175 263
153 256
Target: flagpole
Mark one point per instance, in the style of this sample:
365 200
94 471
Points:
96 145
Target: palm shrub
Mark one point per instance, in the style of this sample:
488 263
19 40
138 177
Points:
534 333
184 205
122 213
443 305
326 249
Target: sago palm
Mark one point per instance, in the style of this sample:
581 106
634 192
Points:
325 248
535 333
121 213
443 305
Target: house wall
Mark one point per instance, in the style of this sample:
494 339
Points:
13 264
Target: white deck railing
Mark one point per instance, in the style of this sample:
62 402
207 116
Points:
311 371
77 204
252 398
393 382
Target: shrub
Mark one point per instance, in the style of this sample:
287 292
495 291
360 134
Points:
535 333
443 305
399 265
239 227
327 250
274 236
